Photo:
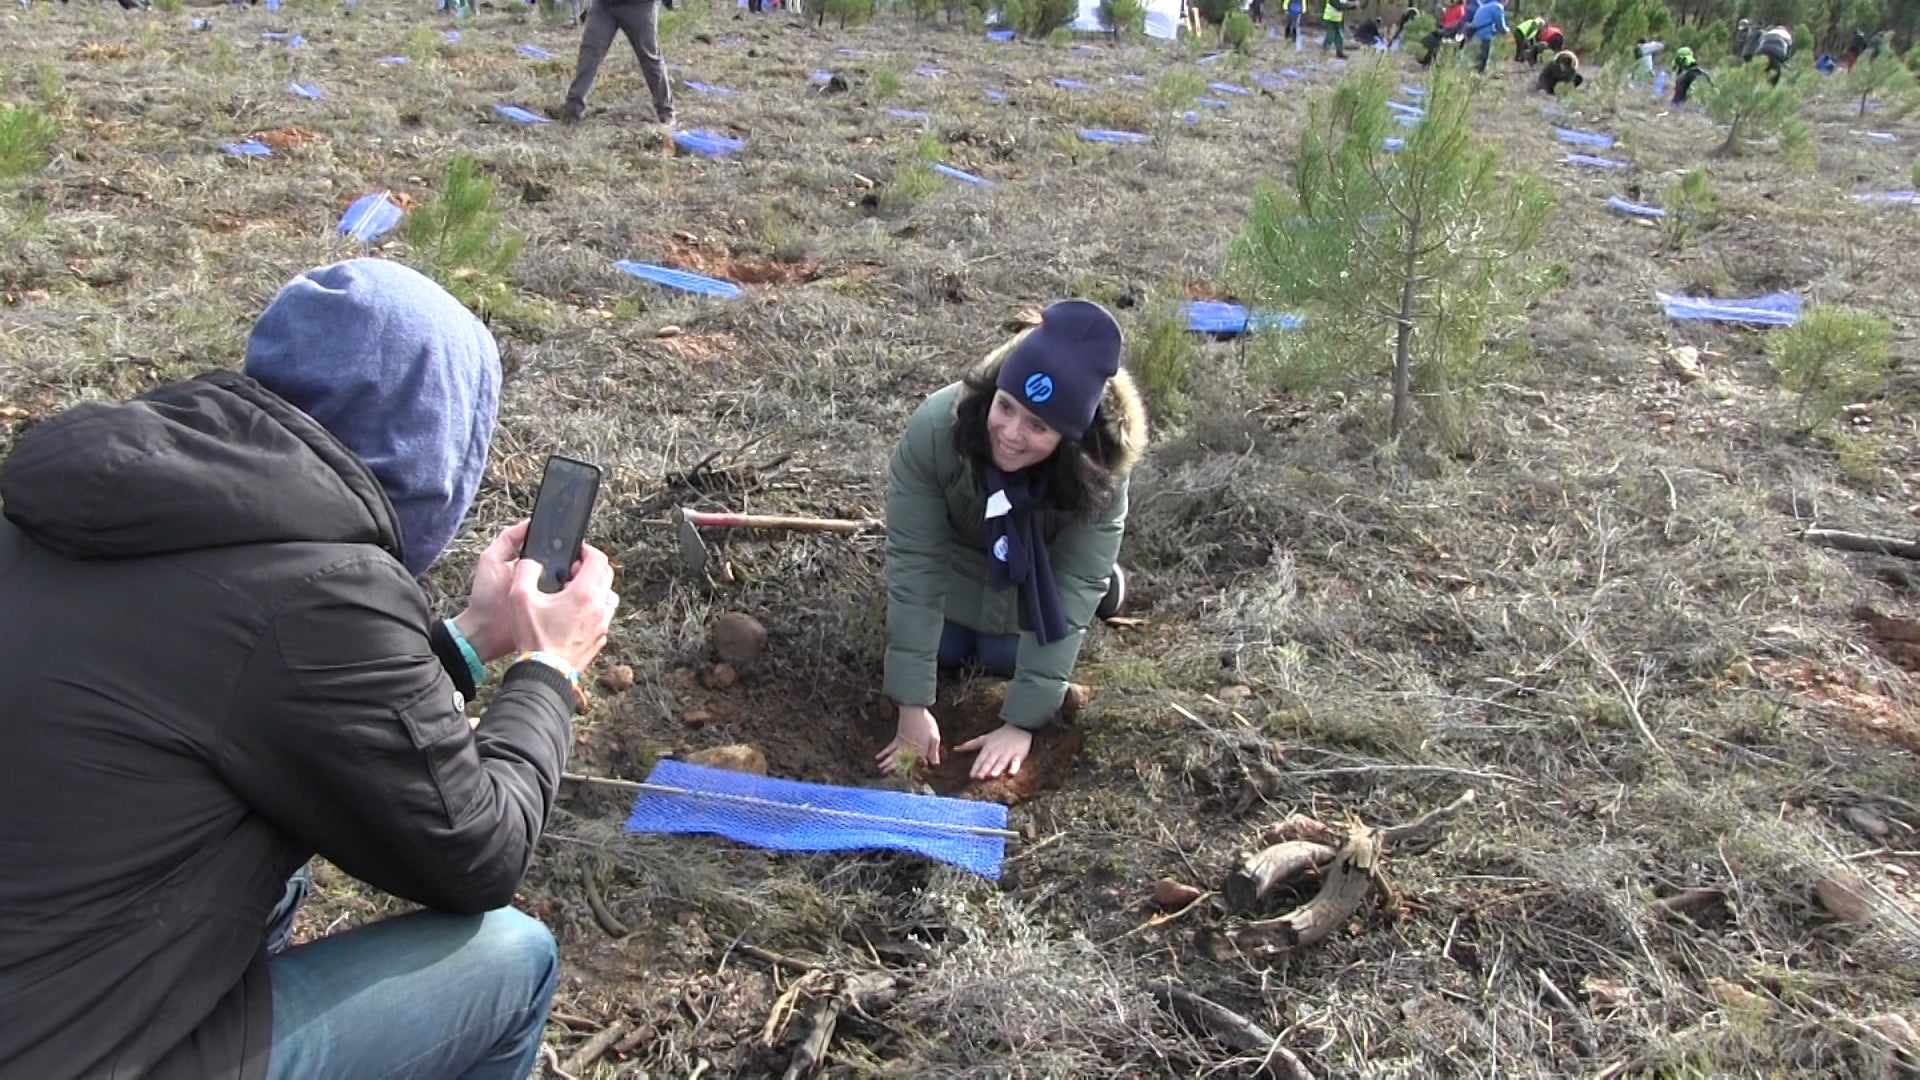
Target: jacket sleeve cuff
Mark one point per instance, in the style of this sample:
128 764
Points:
451 659
1032 705
532 672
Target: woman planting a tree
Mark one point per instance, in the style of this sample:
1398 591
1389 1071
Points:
1006 506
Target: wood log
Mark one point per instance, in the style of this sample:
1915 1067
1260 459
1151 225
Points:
591 1050
1863 542
1348 881
1231 1029
863 993
1272 867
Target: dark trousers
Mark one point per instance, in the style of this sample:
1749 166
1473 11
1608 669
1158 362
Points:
1685 85
1776 65
640 21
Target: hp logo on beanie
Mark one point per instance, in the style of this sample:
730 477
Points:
1039 388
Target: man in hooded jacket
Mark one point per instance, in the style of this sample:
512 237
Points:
216 663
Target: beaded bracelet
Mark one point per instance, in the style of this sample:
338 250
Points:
572 673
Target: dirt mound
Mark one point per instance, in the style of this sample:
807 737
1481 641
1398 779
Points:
743 269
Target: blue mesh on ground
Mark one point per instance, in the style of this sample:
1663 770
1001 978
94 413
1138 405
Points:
1773 309
1214 59
1881 136
996 95
250 148
1100 135
907 114
1413 91
1907 197
1219 317
370 216
812 817
1403 107
1584 138
929 72
678 279
1070 84
1390 144
1634 209
1000 35
518 114
306 91
1213 102
822 77
1228 88
535 52
708 88
697 141
948 170
1595 162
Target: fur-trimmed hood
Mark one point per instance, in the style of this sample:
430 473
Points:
1122 416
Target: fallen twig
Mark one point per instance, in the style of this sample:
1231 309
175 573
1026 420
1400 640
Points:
862 992
1688 903
1401 835
552 1057
1231 1029
591 1050
1581 1037
776 960
602 914
1852 541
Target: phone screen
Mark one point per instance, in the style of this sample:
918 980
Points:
560 516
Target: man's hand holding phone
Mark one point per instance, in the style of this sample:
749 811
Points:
507 613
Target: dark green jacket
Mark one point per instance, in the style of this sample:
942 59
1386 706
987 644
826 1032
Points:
937 556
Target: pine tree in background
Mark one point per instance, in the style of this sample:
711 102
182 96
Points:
1886 78
1407 262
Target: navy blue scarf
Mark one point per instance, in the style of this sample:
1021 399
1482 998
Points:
1017 553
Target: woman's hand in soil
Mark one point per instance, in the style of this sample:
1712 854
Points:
1002 751
918 735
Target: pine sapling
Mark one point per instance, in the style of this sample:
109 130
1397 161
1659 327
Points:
460 241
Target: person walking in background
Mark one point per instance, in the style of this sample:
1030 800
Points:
639 20
1400 26
1295 9
1489 21
1452 20
1334 17
1526 40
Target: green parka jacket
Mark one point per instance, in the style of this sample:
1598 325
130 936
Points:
937 554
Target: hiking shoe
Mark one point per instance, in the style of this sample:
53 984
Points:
1116 595
566 114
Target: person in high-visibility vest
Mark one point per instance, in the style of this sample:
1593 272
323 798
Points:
1687 67
1526 40
1334 17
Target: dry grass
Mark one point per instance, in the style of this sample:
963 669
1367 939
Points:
1598 616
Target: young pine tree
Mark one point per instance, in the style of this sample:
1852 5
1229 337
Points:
1405 261
1742 99
1123 17
1886 78
459 241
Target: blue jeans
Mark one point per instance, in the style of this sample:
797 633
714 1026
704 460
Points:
425 996
996 653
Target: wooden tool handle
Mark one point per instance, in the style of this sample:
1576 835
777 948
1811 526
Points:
713 520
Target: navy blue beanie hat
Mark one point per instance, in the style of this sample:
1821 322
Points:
401 373
1059 370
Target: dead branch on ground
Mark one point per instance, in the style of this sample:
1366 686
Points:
1231 1029
1841 540
865 993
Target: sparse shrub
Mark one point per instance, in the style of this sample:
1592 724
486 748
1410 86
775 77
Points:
26 137
913 183
923 9
1408 262
962 11
850 12
422 43
1123 17
170 7
1886 78
1831 357
1741 99
885 82
1060 37
1691 206
1606 86
458 238
51 87
1236 31
1039 18
1161 357
929 149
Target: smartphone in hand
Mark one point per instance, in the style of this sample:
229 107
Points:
560 514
